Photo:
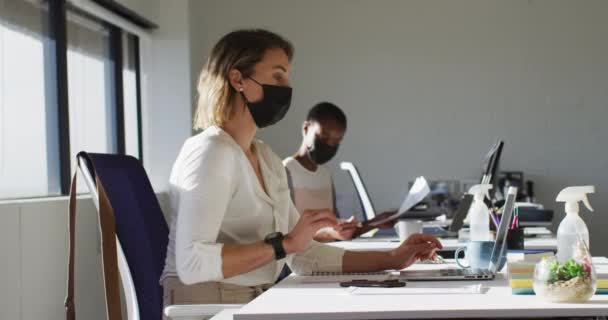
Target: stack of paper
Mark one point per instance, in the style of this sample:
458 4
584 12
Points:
602 280
521 273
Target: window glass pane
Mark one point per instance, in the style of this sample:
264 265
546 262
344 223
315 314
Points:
90 88
130 95
29 141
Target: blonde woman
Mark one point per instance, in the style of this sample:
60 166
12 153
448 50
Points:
233 223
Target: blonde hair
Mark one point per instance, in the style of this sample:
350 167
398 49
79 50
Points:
239 50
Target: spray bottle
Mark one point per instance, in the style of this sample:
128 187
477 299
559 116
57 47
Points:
479 216
572 229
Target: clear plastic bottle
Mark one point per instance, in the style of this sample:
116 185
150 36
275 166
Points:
572 228
479 218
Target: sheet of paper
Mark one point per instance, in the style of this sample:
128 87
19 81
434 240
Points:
419 190
417 290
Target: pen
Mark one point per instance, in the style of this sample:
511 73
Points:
515 223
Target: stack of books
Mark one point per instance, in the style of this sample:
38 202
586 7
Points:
521 272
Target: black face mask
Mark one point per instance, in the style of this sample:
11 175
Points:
321 152
272 107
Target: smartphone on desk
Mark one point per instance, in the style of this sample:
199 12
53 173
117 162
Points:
396 283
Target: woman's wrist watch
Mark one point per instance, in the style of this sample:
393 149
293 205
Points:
275 239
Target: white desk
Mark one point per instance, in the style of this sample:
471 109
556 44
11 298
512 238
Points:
448 244
293 300
226 314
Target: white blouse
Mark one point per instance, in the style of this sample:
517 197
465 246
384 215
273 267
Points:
311 190
216 198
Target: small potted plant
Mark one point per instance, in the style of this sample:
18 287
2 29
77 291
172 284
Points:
571 281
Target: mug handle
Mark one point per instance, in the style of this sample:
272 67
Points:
459 250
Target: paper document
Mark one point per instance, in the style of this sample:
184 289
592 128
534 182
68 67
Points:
419 190
412 288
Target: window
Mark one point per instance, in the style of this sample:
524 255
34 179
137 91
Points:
29 140
92 108
132 112
69 82
90 87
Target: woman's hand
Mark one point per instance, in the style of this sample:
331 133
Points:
347 228
307 226
417 247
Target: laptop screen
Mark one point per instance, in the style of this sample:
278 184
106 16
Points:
461 213
500 246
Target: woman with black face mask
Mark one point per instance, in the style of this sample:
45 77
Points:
310 181
233 224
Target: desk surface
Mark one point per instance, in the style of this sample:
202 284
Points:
294 299
448 244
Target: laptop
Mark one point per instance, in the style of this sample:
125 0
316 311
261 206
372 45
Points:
490 165
441 232
498 254
457 220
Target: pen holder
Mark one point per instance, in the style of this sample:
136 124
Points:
515 239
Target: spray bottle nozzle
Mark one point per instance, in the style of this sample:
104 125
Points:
480 190
572 195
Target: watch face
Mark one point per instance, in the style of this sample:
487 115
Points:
273 235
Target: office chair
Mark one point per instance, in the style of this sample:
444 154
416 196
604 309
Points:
141 236
366 202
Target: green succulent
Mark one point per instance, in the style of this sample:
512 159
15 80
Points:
564 272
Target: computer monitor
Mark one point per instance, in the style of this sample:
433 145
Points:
491 163
364 199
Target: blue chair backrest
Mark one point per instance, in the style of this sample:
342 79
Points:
140 225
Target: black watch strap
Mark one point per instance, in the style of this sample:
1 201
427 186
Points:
275 239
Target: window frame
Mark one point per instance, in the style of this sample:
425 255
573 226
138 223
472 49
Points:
57 33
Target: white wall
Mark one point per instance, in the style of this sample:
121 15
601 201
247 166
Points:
428 85
33 246
33 233
167 101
